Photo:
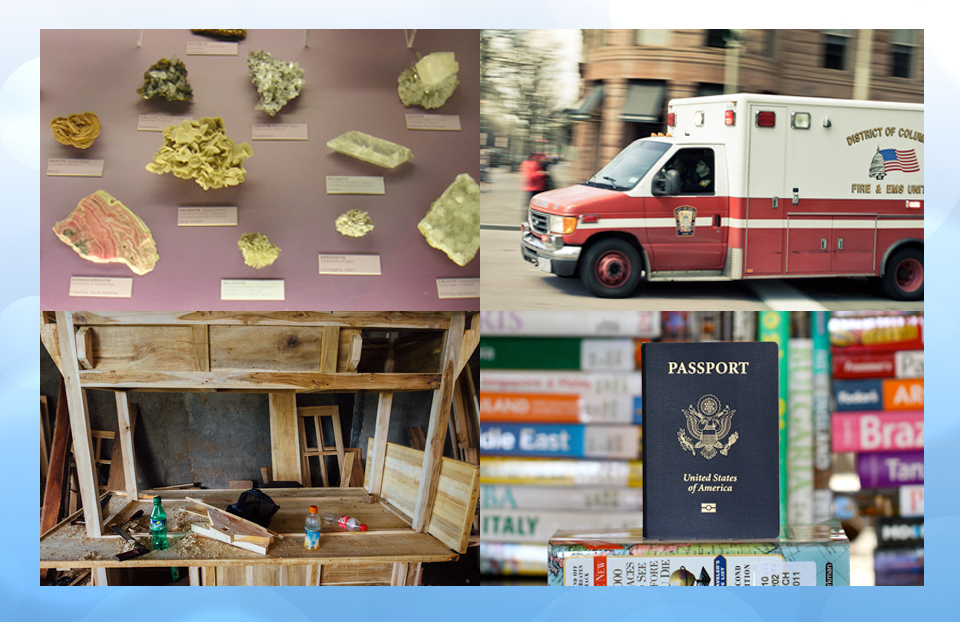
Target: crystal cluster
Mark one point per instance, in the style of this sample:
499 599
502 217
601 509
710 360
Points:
167 78
221 33
277 81
103 230
258 251
370 149
453 222
200 150
77 130
355 223
430 82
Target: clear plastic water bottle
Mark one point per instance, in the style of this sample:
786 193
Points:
312 540
158 526
350 524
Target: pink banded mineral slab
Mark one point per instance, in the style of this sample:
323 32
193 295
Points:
103 230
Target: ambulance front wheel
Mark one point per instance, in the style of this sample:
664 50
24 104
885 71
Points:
903 279
611 268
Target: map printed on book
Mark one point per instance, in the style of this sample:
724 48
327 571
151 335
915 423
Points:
710 441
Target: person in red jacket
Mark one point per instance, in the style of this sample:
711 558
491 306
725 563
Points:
534 176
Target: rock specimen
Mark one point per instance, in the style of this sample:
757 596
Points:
77 130
355 223
103 230
453 222
277 81
201 150
167 78
430 82
258 251
226 34
370 149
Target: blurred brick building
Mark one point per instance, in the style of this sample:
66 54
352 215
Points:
628 76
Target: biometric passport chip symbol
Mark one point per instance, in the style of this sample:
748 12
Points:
708 425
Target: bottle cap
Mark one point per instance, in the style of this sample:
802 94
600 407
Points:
363 527
313 509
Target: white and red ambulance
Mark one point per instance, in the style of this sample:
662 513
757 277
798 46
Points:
747 187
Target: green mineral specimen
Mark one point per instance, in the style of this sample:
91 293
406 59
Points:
453 222
201 150
430 82
370 149
167 78
258 251
277 81
235 34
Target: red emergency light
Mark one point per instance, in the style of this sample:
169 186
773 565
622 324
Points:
730 117
766 118
672 119
914 204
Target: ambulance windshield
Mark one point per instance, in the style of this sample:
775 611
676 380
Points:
624 171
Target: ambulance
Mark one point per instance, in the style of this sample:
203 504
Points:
747 187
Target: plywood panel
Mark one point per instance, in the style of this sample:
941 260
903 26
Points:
277 348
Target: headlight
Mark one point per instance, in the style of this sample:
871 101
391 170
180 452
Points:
562 224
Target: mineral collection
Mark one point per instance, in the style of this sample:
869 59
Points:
258 251
453 222
77 130
226 34
430 82
370 149
200 150
355 223
167 78
103 230
277 81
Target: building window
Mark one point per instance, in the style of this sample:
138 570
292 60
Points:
903 45
836 44
651 36
717 38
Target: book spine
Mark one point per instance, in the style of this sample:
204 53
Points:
882 470
540 525
822 458
562 382
878 394
876 334
560 472
571 324
548 408
560 440
878 431
494 496
775 327
513 558
800 426
557 353
903 394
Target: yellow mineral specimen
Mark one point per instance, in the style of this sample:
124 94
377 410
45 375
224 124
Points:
201 150
355 224
453 222
258 251
76 130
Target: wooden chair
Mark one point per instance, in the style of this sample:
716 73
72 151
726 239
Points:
321 450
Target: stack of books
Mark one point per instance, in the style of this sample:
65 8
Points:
878 414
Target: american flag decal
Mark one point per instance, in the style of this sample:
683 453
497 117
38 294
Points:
904 160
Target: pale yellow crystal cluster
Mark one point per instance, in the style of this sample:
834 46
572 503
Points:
258 251
76 130
370 149
430 82
201 150
355 224
453 222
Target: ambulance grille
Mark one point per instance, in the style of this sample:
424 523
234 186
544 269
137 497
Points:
538 222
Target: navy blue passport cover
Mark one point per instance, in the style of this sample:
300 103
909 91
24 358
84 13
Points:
710 441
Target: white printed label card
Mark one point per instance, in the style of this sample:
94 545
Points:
212 48
251 289
458 288
350 265
67 167
433 122
101 287
279 131
214 216
343 184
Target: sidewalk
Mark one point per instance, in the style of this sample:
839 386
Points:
503 204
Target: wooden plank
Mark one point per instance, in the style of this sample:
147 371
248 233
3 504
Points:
391 319
257 381
418 438
194 572
418 352
471 339
123 469
85 348
284 441
209 532
79 425
399 577
266 348
241 484
201 347
351 345
50 340
329 349
143 348
44 441
379 452
266 474
57 472
240 524
436 432
357 475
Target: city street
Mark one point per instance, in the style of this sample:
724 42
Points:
508 282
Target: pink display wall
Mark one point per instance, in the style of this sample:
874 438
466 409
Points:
351 84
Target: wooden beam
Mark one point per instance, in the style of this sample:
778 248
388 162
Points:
57 471
362 319
123 449
79 425
258 381
284 438
439 416
201 346
380 443
351 345
471 339
85 347
329 346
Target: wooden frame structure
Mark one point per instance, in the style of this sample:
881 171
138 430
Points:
419 505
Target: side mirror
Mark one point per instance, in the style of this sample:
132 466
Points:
667 185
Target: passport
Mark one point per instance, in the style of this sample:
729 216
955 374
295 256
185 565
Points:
710 441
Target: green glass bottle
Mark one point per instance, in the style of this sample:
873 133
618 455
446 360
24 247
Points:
158 526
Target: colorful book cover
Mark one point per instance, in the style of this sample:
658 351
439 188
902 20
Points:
563 382
860 365
494 496
800 427
876 333
899 430
898 531
710 445
890 469
539 525
571 323
557 353
560 440
879 394
904 394
775 327
822 458
560 471
911 501
814 555
560 408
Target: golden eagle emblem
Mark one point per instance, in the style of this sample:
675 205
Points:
708 426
